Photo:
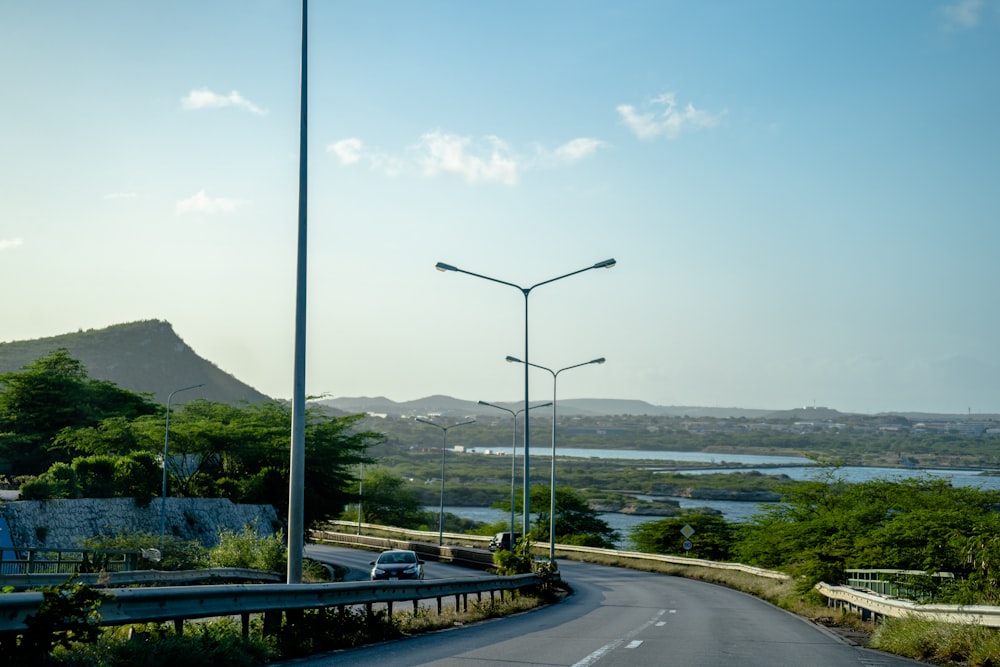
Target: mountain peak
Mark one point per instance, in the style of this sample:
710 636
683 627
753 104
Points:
145 356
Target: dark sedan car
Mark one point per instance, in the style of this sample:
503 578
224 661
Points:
397 564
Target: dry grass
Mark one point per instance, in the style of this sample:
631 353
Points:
428 620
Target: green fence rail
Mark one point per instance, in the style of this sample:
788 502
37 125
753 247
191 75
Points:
66 561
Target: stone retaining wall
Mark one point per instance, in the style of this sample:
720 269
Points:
60 524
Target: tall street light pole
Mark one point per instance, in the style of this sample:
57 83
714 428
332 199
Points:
526 291
444 446
513 456
297 447
166 453
552 478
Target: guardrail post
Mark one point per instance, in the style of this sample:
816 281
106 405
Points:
245 624
439 605
272 623
179 627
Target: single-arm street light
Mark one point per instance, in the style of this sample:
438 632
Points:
526 291
513 456
444 446
166 450
552 478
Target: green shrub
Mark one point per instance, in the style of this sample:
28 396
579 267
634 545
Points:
514 561
175 553
96 475
36 489
248 549
138 476
68 615
216 644
62 480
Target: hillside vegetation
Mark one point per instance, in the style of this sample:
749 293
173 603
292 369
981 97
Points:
144 357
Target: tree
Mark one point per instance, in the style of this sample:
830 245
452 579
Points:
113 435
576 522
387 500
51 394
823 528
214 444
712 538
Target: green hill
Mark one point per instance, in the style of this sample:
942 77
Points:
142 356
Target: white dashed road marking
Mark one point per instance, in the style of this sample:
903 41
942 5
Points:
604 650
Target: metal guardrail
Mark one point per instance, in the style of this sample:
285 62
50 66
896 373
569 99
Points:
473 554
472 557
872 605
179 603
898 583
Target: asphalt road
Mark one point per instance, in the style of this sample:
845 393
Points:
619 618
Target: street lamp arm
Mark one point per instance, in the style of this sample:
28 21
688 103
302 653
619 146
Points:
441 266
429 422
499 407
606 264
515 360
599 360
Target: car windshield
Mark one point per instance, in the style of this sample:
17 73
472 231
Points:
402 557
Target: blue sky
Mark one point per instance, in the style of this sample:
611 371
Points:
802 197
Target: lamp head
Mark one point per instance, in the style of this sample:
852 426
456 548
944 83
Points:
441 266
513 360
606 264
600 360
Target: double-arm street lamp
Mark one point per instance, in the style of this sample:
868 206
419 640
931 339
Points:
166 450
513 456
444 446
552 478
526 291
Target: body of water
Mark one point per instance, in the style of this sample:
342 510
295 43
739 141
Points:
681 457
857 474
795 467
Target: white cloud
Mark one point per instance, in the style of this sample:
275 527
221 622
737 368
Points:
489 161
578 149
202 203
963 14
352 151
7 244
663 118
203 98
121 195
348 151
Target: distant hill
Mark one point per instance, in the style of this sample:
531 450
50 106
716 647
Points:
454 407
148 356
142 356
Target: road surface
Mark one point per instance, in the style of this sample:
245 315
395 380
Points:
622 618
